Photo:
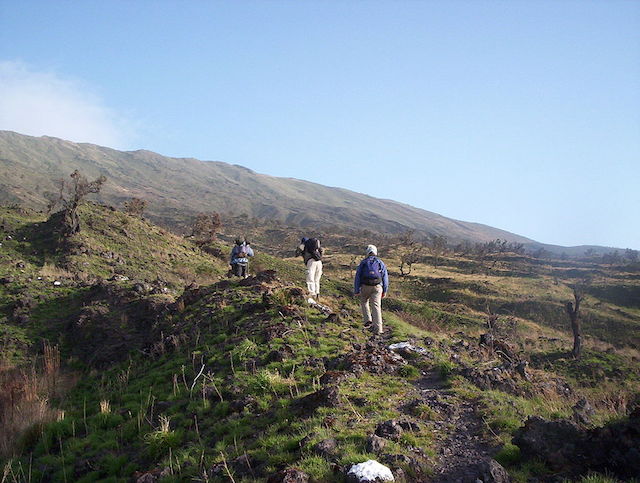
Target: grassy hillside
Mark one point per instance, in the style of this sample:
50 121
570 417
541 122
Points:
125 369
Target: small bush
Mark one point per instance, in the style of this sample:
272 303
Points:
445 369
409 372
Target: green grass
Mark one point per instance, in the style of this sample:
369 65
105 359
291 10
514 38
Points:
225 328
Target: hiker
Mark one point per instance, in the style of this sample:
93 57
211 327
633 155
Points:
240 254
311 252
371 283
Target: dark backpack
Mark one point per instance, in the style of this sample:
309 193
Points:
371 273
242 252
312 247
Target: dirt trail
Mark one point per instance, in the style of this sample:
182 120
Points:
458 430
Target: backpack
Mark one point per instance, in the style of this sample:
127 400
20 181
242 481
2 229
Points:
312 247
370 273
242 252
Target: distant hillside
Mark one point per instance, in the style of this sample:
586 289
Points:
177 188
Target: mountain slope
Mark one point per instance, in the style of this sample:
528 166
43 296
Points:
177 188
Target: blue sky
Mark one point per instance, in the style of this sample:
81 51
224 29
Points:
523 115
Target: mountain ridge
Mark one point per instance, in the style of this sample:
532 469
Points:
178 188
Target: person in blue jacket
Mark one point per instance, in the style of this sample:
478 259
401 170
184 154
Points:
371 283
240 254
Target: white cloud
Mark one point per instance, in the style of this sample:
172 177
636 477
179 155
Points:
43 103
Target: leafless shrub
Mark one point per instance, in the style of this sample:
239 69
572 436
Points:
205 227
70 195
135 207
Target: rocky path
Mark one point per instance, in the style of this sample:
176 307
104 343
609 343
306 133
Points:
463 454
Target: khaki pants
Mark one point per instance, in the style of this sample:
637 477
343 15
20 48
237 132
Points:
314 273
371 303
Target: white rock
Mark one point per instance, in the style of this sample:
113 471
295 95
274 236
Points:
401 345
408 347
370 471
57 283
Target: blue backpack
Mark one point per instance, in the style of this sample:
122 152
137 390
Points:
371 271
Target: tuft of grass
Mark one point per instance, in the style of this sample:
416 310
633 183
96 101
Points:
508 455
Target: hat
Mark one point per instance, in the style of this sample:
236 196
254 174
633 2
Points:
371 249
303 239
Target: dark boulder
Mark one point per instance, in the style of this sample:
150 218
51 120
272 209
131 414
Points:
582 412
328 396
490 471
390 429
375 444
326 448
555 442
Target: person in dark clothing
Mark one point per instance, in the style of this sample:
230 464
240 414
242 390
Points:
239 261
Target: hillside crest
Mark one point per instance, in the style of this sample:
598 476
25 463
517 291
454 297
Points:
177 188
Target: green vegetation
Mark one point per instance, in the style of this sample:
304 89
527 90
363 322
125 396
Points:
133 369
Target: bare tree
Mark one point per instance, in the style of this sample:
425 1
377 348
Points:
205 227
410 251
135 207
437 246
631 255
70 195
573 309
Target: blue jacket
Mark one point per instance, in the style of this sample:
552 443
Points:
237 249
357 283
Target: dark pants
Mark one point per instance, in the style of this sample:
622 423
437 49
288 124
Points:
239 269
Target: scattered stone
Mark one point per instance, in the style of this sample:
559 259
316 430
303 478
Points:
119 278
390 429
290 475
375 444
57 283
397 459
142 288
372 357
582 412
490 471
326 447
369 471
328 396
